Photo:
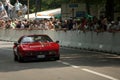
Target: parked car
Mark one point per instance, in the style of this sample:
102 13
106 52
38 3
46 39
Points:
35 47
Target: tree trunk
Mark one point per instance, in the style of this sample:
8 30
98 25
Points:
87 6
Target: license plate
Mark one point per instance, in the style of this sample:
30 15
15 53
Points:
41 56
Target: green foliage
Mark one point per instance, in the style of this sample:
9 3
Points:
51 4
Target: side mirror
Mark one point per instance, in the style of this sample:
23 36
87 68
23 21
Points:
16 43
57 41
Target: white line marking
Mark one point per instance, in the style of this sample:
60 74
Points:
65 63
90 71
99 74
68 64
75 66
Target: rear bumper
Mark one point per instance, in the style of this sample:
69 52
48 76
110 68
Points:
41 57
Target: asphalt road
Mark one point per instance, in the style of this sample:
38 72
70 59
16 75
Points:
74 64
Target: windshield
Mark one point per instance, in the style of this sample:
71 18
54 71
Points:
36 38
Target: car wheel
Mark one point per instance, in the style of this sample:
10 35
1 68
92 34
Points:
15 57
20 59
57 58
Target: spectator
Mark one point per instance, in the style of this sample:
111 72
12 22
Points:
104 24
26 23
83 23
2 24
51 25
70 24
5 3
10 8
78 24
13 25
3 13
46 23
7 26
18 24
95 24
112 26
24 10
18 6
65 24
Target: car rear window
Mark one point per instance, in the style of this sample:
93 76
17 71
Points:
36 38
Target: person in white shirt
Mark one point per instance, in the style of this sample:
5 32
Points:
8 7
24 10
18 6
3 13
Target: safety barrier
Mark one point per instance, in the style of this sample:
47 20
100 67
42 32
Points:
104 41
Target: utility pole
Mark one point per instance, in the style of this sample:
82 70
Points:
87 6
28 9
37 6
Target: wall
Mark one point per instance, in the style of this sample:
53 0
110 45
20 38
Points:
104 41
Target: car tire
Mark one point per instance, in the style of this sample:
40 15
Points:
15 57
57 58
20 59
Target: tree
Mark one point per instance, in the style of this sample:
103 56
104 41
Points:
51 4
109 12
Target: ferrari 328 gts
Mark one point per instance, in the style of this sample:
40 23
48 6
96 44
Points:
35 47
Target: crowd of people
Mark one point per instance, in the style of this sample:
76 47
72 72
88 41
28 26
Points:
82 24
7 10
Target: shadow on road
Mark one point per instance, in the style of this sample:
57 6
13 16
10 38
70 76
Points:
7 64
76 57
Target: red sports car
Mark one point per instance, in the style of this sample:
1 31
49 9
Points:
36 47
